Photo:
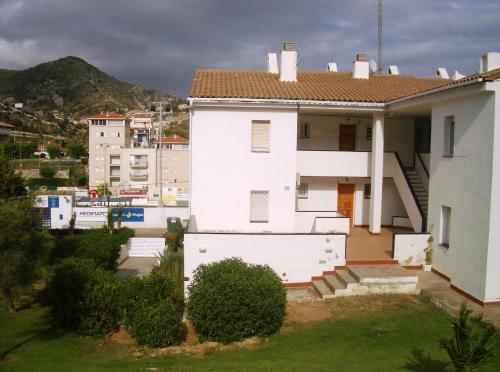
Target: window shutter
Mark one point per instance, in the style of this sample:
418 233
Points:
260 136
259 206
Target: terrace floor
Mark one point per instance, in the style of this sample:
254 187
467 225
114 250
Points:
363 246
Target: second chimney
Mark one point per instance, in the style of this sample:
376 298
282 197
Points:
361 67
288 69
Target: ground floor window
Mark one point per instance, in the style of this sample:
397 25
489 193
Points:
259 206
302 191
444 238
368 191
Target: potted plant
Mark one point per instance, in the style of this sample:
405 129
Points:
428 254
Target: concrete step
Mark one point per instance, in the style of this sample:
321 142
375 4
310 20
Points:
345 277
323 290
382 274
338 288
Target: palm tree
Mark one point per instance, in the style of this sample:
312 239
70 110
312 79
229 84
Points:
472 343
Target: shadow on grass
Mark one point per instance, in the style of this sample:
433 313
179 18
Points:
43 329
422 362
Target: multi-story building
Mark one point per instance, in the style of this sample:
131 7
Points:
315 161
123 154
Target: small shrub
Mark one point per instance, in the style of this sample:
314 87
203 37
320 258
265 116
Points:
96 245
231 300
156 325
172 265
85 298
47 171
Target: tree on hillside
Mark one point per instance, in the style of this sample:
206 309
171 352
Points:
76 150
11 183
54 151
47 171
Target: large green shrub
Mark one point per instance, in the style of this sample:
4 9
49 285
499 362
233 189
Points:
47 171
97 245
156 325
231 300
85 298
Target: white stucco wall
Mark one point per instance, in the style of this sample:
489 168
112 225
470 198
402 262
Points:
295 258
304 220
409 249
224 173
322 194
463 183
59 217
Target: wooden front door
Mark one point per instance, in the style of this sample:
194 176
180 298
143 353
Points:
345 200
347 138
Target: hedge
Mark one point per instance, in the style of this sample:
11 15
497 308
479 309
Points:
231 300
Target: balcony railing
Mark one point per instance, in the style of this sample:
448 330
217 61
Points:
139 163
138 175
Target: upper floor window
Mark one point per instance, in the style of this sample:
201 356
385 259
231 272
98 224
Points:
98 122
260 135
302 191
102 134
369 132
449 136
304 130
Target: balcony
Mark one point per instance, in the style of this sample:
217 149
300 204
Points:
138 176
139 163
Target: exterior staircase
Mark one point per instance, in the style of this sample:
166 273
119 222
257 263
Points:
145 247
359 280
420 191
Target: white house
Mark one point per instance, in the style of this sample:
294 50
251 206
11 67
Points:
309 157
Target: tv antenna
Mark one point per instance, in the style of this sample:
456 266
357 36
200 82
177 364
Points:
380 19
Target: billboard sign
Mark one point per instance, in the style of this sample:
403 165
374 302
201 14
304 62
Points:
91 214
53 201
129 214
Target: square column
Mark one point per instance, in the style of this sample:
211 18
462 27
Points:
377 173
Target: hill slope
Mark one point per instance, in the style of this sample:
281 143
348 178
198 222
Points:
74 86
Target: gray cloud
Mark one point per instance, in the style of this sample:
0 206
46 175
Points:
159 43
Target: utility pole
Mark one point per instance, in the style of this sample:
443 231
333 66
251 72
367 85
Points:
380 24
160 105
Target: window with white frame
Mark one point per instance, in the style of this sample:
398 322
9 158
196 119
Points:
444 236
304 130
259 206
449 136
302 191
260 135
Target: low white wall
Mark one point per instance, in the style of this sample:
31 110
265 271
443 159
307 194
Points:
294 257
332 225
409 248
304 220
153 217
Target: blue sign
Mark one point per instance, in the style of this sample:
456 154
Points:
53 201
129 214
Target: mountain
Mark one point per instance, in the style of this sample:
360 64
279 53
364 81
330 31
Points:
71 85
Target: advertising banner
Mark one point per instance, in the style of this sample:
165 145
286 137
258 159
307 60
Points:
129 214
53 201
91 214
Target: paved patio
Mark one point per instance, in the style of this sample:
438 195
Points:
136 266
361 245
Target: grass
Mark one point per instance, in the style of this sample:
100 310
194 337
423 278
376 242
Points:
399 336
30 163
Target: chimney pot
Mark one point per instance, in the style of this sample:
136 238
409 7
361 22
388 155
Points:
361 57
489 61
272 63
442 73
288 68
332 66
393 70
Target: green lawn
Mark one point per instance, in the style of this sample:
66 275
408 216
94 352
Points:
400 336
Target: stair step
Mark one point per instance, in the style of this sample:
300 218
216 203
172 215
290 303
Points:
335 285
346 278
323 290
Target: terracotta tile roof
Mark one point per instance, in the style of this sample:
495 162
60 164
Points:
174 139
108 115
310 85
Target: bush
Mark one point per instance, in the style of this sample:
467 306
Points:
150 291
231 300
85 298
156 325
96 245
172 265
47 171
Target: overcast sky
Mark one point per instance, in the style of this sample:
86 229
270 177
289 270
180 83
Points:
159 43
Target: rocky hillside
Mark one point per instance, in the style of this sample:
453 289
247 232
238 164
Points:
71 85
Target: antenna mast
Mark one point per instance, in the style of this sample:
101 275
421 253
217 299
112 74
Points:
380 19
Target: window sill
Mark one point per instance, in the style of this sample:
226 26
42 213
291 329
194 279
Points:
444 245
260 151
449 156
259 221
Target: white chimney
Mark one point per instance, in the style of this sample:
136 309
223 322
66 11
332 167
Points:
272 63
288 70
442 73
393 70
457 75
361 67
489 61
332 67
